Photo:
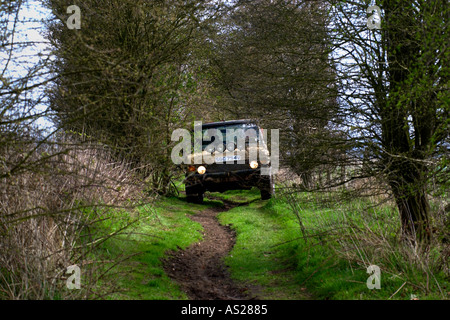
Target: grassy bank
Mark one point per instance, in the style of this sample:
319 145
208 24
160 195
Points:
324 252
312 250
161 227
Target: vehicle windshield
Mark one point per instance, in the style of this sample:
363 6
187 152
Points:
238 134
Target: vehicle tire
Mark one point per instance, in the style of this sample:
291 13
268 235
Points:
267 188
196 197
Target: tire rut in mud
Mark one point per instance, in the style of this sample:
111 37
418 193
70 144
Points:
200 269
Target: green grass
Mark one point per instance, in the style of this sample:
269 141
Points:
369 236
162 227
257 259
238 196
271 255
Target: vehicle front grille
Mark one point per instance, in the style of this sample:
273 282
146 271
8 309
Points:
224 167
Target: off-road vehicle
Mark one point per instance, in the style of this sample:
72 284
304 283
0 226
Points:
234 156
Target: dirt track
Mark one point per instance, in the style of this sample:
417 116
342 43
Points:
200 270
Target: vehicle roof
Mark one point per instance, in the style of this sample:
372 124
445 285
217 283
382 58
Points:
228 122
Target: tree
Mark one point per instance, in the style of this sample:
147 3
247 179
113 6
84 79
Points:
395 97
372 102
22 102
48 180
125 76
271 63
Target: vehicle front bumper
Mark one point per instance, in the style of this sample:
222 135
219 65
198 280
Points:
222 181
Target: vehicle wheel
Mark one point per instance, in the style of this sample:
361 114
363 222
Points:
265 195
194 197
267 188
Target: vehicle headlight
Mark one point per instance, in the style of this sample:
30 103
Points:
254 164
201 169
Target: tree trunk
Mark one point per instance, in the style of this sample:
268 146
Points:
404 153
306 179
414 213
409 189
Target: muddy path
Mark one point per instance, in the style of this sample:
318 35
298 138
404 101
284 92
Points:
200 269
